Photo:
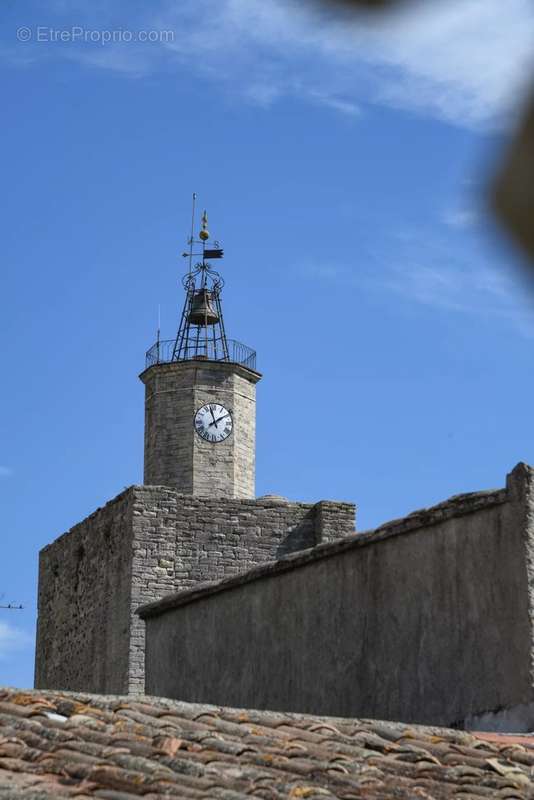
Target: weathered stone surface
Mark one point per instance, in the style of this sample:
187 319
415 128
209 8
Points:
149 542
84 601
427 619
175 455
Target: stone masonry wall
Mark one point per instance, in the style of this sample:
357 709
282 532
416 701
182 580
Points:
169 409
181 541
227 468
84 601
147 543
427 619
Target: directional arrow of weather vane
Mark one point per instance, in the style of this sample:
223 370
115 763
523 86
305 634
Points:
511 190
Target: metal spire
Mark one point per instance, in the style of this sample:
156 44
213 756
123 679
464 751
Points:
201 333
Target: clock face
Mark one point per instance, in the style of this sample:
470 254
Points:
213 422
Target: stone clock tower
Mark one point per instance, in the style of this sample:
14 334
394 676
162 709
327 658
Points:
200 394
195 518
179 399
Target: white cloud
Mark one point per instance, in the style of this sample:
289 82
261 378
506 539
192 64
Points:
12 639
460 60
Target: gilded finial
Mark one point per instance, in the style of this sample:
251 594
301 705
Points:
204 233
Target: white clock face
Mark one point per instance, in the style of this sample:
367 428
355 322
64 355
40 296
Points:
213 422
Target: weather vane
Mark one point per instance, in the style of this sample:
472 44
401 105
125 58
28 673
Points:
201 334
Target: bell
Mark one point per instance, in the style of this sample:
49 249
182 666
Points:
202 311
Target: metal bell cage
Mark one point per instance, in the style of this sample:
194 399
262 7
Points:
201 335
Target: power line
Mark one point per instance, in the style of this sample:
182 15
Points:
11 606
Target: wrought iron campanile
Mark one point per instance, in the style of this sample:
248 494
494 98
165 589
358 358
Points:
201 392
201 333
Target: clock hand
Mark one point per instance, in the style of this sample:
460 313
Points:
215 421
212 414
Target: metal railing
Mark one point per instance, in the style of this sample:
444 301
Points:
162 352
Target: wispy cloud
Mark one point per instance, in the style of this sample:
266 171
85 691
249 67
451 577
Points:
462 218
344 106
462 60
458 276
12 639
478 290
429 268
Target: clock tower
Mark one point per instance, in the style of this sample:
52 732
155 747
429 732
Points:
200 393
194 520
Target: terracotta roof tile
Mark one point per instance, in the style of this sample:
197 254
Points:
55 744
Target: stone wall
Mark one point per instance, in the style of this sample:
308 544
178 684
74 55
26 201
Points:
149 542
183 541
84 603
427 619
175 455
228 468
169 409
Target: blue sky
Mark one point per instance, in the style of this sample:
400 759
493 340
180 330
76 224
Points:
343 165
